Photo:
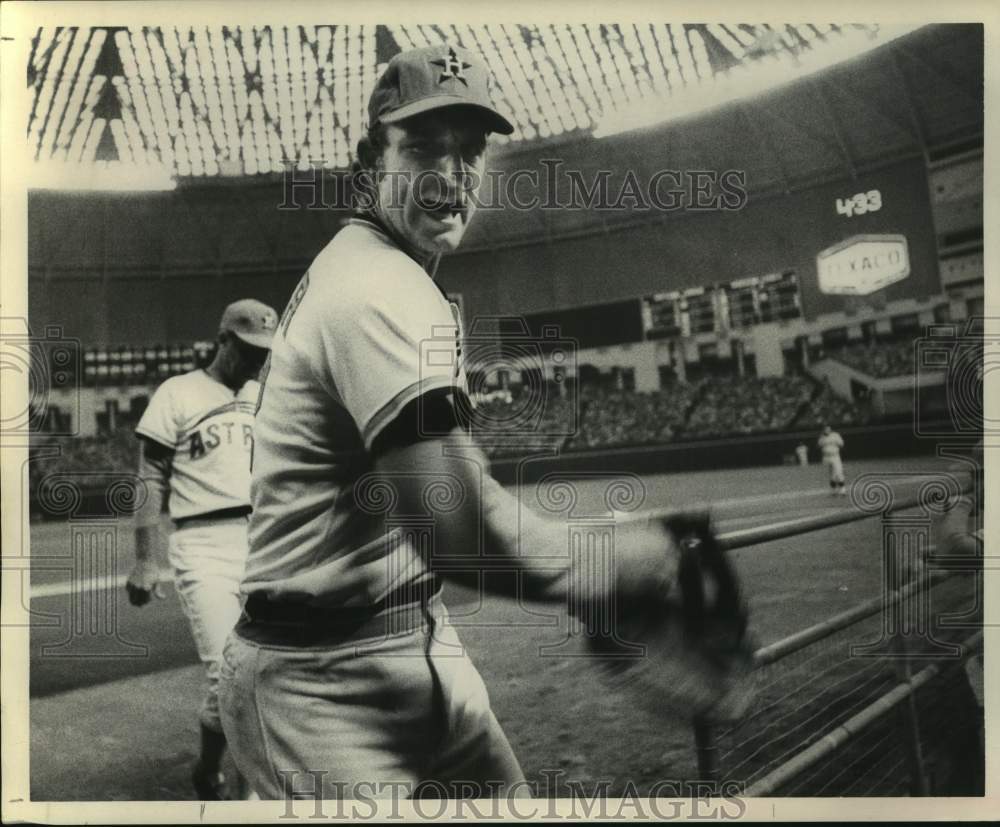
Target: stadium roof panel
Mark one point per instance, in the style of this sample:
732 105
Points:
242 100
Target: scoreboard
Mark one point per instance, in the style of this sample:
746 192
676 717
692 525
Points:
858 241
862 241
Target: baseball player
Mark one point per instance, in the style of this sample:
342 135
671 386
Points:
830 443
343 669
196 438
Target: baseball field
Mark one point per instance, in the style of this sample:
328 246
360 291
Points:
113 715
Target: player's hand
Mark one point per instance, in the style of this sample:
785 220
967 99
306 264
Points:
144 583
676 629
640 567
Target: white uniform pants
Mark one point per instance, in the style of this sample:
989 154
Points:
208 558
836 469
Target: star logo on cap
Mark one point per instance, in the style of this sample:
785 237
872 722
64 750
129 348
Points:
452 67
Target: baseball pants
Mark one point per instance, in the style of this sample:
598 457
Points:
365 719
836 470
208 558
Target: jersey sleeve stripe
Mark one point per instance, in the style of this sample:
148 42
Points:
392 408
157 438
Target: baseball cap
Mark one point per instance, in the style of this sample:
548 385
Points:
420 80
250 320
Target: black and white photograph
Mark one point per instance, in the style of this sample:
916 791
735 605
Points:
510 413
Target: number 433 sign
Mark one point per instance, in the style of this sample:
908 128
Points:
860 204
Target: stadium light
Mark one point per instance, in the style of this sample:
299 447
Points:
746 80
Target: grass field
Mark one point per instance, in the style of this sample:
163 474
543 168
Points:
132 718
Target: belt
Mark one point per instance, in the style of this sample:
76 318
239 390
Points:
214 516
286 623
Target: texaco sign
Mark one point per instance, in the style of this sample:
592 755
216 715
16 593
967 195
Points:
863 264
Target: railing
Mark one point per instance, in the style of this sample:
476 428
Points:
873 700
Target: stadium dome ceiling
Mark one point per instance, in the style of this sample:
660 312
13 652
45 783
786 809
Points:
920 95
236 101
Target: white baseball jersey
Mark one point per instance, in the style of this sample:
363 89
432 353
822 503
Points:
210 430
366 332
830 444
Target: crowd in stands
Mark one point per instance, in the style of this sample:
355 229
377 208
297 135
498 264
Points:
613 417
715 407
519 422
115 453
828 408
748 405
880 360
524 421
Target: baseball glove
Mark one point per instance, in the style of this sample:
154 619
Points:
687 650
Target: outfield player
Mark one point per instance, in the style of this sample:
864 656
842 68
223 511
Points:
830 443
196 438
343 670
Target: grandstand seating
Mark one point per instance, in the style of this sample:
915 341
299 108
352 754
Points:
749 405
713 408
600 417
878 359
610 418
828 408
117 452
512 426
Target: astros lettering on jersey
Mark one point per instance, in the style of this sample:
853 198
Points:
210 431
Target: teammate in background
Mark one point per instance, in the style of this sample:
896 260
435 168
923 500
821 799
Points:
343 672
196 439
830 443
802 453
